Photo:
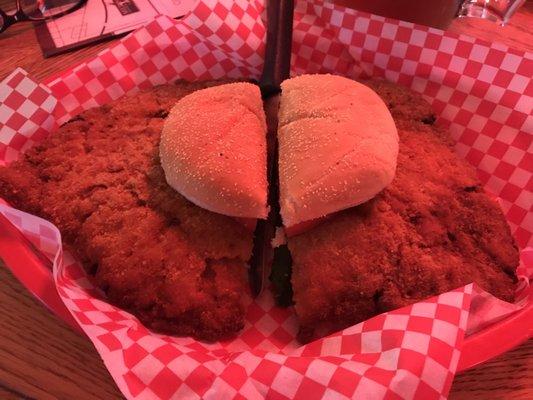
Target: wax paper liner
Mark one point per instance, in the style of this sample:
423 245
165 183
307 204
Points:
482 91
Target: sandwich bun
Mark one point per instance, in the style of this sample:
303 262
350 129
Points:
213 150
338 146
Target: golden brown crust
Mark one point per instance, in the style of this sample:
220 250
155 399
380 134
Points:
432 230
179 268
404 104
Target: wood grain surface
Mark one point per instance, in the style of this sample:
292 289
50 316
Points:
42 358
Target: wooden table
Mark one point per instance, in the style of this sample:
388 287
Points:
42 358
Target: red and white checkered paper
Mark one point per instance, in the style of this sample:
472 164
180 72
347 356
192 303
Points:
482 91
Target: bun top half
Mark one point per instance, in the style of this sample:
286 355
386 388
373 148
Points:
338 146
213 150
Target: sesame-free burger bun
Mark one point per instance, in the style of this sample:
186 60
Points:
338 146
213 150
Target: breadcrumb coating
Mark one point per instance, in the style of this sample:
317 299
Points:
432 230
180 269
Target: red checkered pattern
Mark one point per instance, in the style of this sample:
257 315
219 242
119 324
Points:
482 91
25 114
407 353
217 39
40 233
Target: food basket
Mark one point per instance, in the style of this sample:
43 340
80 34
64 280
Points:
481 91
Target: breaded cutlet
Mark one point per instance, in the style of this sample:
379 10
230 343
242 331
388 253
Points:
432 230
179 268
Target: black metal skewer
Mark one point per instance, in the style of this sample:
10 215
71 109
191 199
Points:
275 70
278 46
